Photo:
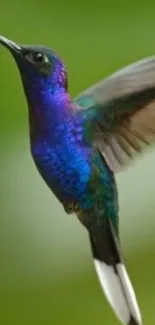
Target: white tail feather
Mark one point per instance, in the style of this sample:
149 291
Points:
119 292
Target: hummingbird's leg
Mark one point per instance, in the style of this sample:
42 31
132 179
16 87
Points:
71 207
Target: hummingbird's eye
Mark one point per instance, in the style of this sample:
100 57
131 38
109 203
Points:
40 61
38 57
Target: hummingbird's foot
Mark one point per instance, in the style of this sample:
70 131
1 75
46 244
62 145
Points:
72 207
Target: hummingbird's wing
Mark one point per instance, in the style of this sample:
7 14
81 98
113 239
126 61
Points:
121 111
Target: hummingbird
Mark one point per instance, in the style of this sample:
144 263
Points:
78 146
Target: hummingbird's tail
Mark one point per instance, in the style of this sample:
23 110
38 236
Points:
113 276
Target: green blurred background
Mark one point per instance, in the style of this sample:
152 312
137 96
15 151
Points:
46 271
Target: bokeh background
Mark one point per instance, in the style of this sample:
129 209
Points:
46 271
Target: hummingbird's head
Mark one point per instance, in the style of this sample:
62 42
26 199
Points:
41 70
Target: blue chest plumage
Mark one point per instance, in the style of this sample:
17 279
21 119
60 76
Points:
63 159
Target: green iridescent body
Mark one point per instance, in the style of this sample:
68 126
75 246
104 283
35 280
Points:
100 199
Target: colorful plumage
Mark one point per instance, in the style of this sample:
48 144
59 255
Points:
78 145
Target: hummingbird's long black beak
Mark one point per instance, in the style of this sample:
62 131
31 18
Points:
13 47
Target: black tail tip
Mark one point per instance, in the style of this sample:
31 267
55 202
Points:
132 321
